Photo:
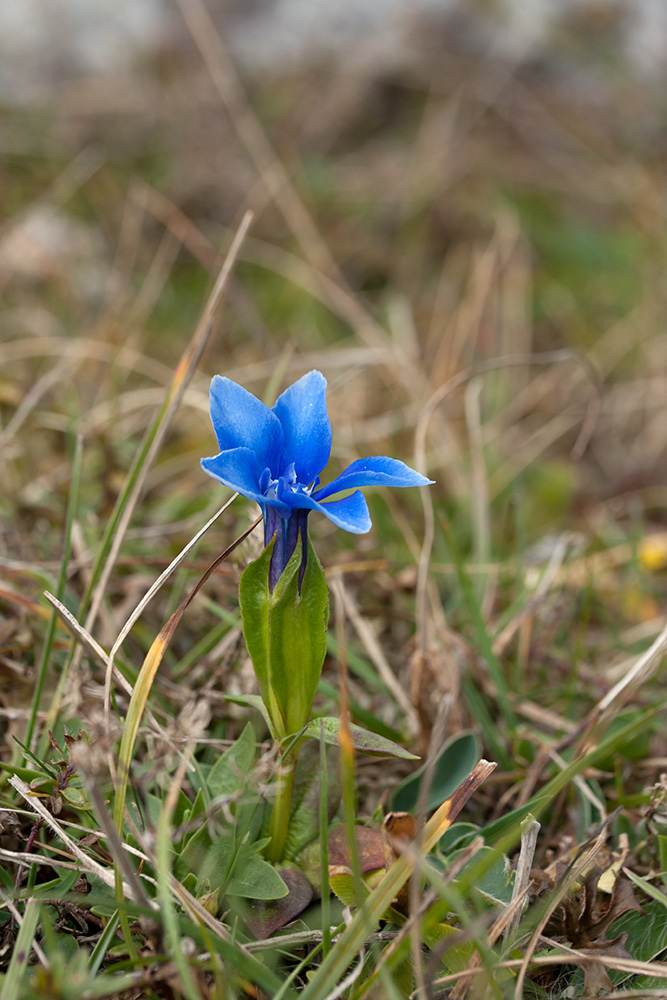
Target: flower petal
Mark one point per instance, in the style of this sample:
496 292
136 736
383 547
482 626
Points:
375 471
302 411
349 513
237 468
240 420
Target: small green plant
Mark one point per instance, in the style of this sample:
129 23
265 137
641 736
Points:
275 456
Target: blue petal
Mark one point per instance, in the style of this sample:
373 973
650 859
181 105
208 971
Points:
237 468
302 411
377 471
349 513
240 420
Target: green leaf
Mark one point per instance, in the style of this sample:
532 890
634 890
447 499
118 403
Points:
57 887
24 773
454 762
298 641
647 939
198 807
43 785
76 797
201 856
255 603
229 774
256 879
214 862
343 883
223 865
458 835
42 765
190 882
6 880
364 741
488 873
285 633
648 887
497 882
265 917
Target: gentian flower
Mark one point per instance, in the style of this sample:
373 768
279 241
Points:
275 456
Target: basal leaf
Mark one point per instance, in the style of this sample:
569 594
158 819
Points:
370 853
256 879
206 858
263 917
458 835
229 774
454 762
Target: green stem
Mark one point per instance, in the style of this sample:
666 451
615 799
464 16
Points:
282 807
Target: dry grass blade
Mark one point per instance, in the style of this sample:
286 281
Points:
89 643
28 860
148 596
580 865
374 650
146 677
547 580
273 173
87 349
82 759
639 674
529 831
87 863
629 965
412 924
429 409
94 649
37 391
367 916
182 376
573 957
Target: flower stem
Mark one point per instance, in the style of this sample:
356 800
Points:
282 806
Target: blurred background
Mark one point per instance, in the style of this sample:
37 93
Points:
435 185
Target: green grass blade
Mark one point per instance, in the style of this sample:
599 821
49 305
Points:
168 913
45 658
324 847
376 904
11 988
103 943
122 512
482 637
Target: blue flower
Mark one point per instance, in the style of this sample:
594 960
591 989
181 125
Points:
275 456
